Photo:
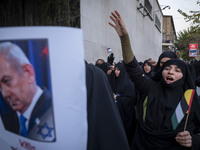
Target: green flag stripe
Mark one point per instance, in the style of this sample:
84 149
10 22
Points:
174 121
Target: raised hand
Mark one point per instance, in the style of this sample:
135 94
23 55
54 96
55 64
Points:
118 25
153 62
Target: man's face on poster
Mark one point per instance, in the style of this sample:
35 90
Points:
15 85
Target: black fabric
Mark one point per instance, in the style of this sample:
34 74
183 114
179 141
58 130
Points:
105 128
126 96
110 58
192 72
197 81
123 84
197 70
168 54
111 78
151 73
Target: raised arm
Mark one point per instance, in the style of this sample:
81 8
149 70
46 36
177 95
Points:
119 25
135 72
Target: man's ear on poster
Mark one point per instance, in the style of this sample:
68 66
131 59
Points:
28 72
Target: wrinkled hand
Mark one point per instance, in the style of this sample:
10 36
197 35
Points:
118 25
184 139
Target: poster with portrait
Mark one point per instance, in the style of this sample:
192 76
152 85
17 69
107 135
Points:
42 89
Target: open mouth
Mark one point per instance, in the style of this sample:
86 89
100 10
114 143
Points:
169 80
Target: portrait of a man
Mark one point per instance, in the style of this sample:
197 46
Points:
31 108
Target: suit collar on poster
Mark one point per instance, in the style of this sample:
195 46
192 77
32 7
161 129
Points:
27 113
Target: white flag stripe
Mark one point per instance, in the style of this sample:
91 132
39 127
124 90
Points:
179 113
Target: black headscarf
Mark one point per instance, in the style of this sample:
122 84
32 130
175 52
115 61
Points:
151 73
105 67
168 54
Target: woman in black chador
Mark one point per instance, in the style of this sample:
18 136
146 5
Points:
124 95
159 101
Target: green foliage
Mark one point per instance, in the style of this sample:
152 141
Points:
191 35
193 16
186 37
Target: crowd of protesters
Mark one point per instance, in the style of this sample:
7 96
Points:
147 96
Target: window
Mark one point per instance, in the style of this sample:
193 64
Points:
148 6
157 22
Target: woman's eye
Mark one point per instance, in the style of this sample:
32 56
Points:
178 70
167 68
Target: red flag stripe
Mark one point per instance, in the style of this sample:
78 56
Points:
191 99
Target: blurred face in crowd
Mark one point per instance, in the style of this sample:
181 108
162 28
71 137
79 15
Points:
117 72
99 61
171 74
147 68
16 85
163 60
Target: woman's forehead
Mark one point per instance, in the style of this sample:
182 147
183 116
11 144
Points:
173 65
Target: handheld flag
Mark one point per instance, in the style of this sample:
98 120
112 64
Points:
109 50
183 107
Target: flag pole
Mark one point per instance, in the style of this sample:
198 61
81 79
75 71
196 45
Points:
186 122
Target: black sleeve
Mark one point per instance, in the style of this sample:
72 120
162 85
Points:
196 135
197 81
137 76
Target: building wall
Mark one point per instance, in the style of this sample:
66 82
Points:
146 39
168 28
169 34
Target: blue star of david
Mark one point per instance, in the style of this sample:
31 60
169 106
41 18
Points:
42 130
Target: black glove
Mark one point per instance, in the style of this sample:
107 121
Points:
110 59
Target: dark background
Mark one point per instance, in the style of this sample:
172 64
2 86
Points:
40 13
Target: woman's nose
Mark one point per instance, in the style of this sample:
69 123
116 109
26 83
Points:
171 71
